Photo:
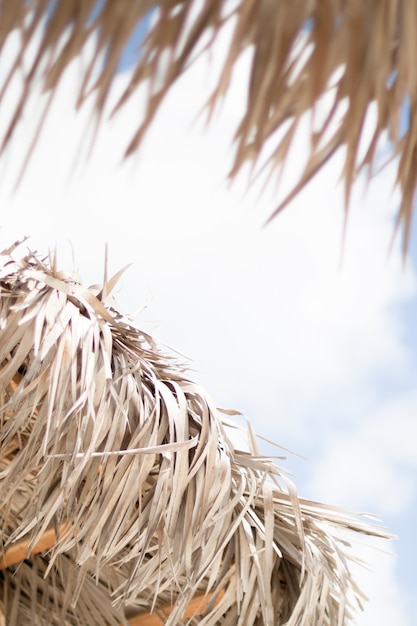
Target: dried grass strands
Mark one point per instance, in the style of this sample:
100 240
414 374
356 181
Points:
102 431
297 48
32 596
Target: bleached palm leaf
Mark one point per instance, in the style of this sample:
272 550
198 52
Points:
104 435
364 49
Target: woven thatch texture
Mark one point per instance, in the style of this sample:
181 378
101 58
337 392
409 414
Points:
102 430
363 49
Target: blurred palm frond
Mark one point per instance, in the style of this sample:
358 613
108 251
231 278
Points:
359 54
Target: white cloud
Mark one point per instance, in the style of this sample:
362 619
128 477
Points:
355 470
374 464
386 600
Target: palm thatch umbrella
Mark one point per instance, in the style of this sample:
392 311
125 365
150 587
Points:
358 53
124 499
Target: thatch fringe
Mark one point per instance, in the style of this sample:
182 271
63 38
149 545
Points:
362 50
102 431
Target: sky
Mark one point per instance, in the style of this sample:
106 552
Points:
311 336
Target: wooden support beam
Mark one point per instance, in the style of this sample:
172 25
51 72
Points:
19 551
197 606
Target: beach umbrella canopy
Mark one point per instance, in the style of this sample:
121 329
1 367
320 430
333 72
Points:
124 493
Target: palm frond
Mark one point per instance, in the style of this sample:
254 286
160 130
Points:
106 441
362 53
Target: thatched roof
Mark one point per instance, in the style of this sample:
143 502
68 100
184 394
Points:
359 54
108 447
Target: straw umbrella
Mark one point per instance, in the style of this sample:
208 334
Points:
123 497
359 54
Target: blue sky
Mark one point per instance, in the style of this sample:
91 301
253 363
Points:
132 49
321 359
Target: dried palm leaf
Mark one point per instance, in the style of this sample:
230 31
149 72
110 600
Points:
362 51
106 441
